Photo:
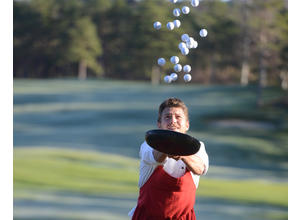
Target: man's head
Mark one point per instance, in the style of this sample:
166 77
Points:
173 115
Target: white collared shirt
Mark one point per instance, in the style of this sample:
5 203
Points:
172 167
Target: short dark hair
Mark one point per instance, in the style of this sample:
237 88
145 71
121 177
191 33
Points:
172 102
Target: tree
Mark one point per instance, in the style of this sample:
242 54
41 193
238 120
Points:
84 47
33 41
51 37
269 24
152 44
57 37
115 30
218 50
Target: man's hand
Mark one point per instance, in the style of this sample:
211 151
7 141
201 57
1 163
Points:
194 163
174 157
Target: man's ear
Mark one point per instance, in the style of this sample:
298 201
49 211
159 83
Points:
187 125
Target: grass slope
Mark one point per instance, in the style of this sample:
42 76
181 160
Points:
107 174
112 116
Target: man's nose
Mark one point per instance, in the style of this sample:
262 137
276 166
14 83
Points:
173 119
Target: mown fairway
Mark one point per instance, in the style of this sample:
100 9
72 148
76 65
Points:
81 138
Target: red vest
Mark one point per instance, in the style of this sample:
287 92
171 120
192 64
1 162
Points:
164 197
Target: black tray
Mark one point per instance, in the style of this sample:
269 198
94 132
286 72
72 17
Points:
172 142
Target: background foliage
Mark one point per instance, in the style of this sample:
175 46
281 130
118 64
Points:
247 40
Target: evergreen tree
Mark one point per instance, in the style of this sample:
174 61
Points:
84 47
217 51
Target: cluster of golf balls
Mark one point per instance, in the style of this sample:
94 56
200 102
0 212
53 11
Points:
184 46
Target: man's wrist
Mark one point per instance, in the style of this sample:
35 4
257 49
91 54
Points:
159 156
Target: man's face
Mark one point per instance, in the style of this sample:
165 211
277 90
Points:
174 119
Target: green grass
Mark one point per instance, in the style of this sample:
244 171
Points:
97 173
245 191
113 116
77 171
83 137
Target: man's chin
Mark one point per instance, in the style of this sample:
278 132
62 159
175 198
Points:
174 129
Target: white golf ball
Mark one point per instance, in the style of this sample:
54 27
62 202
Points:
177 23
185 37
191 39
178 67
170 25
203 32
157 25
161 61
173 1
174 59
187 77
195 3
176 12
174 76
187 68
168 79
185 10
181 45
195 44
190 44
185 51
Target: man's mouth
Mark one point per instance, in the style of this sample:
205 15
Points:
173 128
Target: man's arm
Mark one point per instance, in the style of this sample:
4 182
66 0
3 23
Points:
193 162
159 156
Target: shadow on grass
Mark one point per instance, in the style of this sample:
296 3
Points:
75 206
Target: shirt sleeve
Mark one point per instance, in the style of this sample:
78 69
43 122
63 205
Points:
203 155
147 163
146 154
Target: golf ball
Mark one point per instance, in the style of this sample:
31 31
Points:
185 10
177 23
168 79
176 12
181 45
187 77
161 61
173 1
190 44
185 51
203 32
187 68
191 39
174 59
170 25
195 44
174 76
157 25
185 37
178 67
195 3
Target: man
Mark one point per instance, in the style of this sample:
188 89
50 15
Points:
168 183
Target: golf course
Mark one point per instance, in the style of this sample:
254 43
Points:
76 148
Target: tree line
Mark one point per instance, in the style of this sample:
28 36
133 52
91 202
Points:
247 40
